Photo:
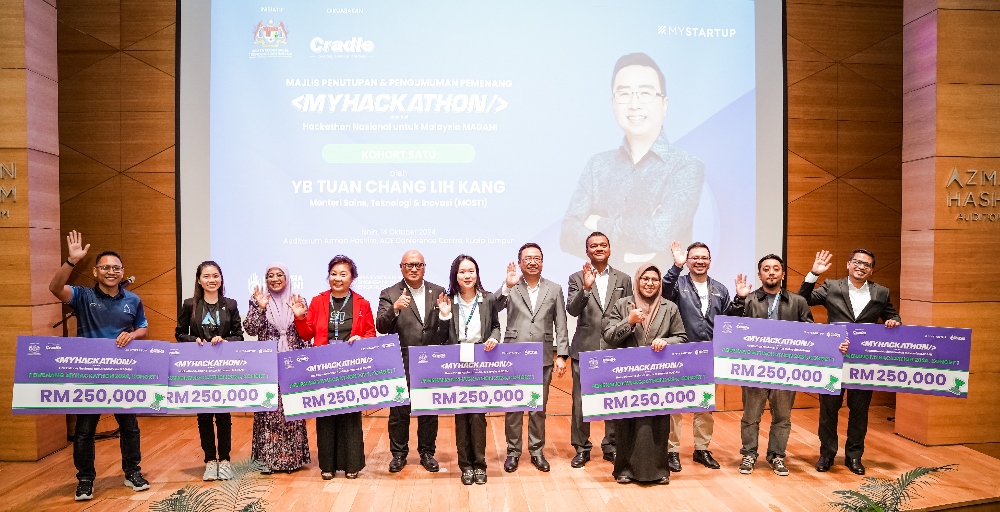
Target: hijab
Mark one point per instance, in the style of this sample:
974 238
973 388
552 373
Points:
649 307
279 313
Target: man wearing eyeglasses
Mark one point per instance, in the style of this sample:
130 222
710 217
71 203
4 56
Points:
699 298
106 310
409 309
851 299
643 194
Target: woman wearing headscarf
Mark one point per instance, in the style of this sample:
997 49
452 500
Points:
279 445
337 315
644 319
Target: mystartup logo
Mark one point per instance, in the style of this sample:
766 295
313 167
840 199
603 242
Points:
352 45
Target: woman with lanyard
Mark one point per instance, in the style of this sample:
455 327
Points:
279 445
209 316
644 319
476 321
337 315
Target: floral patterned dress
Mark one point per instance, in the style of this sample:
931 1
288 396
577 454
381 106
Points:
281 445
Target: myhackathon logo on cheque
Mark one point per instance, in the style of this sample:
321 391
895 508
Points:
270 35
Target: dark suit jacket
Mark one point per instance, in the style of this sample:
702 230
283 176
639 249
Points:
189 321
412 330
488 316
792 307
589 311
666 324
547 323
681 291
835 295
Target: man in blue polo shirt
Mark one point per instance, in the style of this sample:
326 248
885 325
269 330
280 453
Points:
104 311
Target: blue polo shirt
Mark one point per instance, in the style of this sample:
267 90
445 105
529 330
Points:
100 315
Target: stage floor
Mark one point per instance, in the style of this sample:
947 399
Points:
172 458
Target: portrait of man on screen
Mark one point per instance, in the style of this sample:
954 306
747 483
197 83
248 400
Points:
643 194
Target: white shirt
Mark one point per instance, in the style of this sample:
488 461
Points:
532 293
702 289
419 298
601 282
859 297
475 332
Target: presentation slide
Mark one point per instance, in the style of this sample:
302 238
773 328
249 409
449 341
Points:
454 127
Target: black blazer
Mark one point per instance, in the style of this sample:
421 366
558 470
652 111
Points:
487 310
589 311
189 321
412 330
792 307
835 295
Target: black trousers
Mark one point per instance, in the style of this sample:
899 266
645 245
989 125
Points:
83 445
470 440
579 429
399 432
857 423
224 425
340 440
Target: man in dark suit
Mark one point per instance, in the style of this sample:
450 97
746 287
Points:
535 312
409 309
851 299
591 292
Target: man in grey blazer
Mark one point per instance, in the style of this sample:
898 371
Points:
535 312
409 308
852 299
591 292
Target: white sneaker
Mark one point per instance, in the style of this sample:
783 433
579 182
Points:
211 471
225 470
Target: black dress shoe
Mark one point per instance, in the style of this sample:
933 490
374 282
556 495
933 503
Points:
510 465
429 463
540 463
854 465
623 479
823 464
704 457
480 476
467 476
397 463
664 481
674 462
580 460
610 457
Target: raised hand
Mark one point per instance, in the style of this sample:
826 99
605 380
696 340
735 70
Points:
680 257
512 277
822 263
77 251
299 307
261 297
444 305
743 285
589 277
402 302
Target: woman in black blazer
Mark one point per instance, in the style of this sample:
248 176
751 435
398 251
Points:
211 317
473 319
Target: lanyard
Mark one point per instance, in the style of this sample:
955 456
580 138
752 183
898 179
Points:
774 305
336 317
468 319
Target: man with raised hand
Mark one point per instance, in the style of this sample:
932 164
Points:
852 299
591 292
699 298
107 310
535 312
409 309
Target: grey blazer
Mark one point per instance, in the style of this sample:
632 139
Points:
589 309
666 325
835 295
547 323
412 330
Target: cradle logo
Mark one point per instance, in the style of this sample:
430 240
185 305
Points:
353 45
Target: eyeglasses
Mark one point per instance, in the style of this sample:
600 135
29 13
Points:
859 263
532 259
700 258
115 269
649 280
625 97
412 266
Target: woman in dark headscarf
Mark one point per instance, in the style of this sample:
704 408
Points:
279 445
644 319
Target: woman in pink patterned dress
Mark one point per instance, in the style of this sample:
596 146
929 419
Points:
279 445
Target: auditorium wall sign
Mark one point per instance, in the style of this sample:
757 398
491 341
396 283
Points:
974 194
8 189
